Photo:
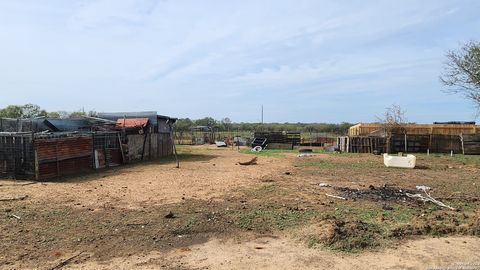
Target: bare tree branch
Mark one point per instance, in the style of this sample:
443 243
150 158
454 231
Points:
393 119
462 72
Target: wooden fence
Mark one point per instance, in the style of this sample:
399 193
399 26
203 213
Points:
471 144
433 143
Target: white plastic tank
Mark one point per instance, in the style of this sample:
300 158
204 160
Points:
399 161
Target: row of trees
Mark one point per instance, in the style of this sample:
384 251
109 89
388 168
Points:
32 111
225 124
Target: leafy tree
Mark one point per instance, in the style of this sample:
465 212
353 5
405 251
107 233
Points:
462 71
32 110
22 111
53 114
11 111
92 113
207 121
77 114
226 124
183 124
82 113
63 114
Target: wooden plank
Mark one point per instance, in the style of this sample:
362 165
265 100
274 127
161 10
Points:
121 147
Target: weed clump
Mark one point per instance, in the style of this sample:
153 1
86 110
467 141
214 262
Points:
351 236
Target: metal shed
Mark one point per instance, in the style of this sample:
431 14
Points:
58 147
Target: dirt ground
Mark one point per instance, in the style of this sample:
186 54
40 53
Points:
213 213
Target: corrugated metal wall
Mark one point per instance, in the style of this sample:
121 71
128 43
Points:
63 156
51 155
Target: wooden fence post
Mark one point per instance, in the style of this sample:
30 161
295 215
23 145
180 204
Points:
35 157
461 140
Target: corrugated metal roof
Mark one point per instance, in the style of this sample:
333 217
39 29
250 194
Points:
151 115
67 124
132 122
57 124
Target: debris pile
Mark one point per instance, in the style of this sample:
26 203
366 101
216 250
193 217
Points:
257 148
253 161
385 193
220 144
427 197
348 236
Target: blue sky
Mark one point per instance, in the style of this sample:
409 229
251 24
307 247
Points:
305 61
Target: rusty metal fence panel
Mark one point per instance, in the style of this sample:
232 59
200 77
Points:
60 156
17 158
107 149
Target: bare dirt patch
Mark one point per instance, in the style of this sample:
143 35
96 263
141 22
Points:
205 173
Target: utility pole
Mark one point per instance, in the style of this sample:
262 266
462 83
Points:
262 113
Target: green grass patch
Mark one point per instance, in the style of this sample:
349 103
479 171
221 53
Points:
268 152
313 241
456 158
399 214
187 227
372 226
271 217
354 237
326 164
375 213
322 164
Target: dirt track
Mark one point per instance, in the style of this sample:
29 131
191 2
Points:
273 215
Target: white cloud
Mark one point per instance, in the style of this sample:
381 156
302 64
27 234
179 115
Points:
235 51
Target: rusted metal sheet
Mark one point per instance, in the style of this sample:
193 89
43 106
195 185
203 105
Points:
100 161
107 158
63 156
63 148
114 157
65 167
132 122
